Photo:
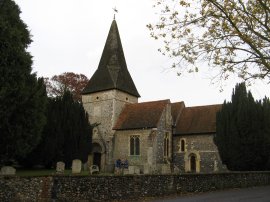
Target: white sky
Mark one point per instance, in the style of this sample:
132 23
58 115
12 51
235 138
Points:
69 36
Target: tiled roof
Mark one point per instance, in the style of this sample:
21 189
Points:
141 115
112 72
197 120
176 110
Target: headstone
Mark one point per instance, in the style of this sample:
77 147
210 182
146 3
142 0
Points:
125 171
60 167
85 166
137 170
165 169
147 169
8 170
215 166
76 166
116 171
131 170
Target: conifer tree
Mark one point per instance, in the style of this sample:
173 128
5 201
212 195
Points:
66 136
22 95
243 135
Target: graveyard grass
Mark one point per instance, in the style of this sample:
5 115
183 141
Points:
46 172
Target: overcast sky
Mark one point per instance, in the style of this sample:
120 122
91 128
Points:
69 36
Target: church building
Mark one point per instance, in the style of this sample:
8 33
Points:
154 137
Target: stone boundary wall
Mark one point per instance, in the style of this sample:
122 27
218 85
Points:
121 188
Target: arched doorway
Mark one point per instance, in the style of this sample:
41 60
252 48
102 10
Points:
97 150
192 161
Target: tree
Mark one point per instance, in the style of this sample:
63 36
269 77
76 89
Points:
22 95
232 36
58 84
66 136
242 134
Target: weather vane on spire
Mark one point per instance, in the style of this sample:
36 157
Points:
115 11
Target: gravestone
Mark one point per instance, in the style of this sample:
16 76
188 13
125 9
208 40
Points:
215 166
76 166
8 170
165 169
137 170
131 170
60 167
126 171
147 169
85 166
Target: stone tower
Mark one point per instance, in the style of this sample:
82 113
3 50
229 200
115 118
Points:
104 97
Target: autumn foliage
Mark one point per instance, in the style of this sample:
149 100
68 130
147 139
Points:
59 84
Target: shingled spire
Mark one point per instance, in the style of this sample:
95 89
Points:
112 72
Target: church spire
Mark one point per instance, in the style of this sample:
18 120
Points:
112 72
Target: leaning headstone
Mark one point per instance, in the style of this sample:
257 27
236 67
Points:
76 166
8 170
131 170
60 167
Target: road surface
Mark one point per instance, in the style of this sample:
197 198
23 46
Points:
253 194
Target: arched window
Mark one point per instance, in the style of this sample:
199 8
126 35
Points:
166 145
134 145
183 145
137 146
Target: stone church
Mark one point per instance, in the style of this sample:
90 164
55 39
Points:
155 137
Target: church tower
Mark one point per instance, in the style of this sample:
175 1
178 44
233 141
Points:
104 97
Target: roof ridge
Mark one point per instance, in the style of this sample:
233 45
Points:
177 102
204 105
165 100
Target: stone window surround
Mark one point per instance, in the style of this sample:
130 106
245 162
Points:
135 137
187 160
166 145
181 150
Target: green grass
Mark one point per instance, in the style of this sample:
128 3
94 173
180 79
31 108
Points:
44 172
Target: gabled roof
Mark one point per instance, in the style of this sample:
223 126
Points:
176 110
112 72
197 120
141 115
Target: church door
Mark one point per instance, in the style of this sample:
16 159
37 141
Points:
97 153
193 163
97 159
